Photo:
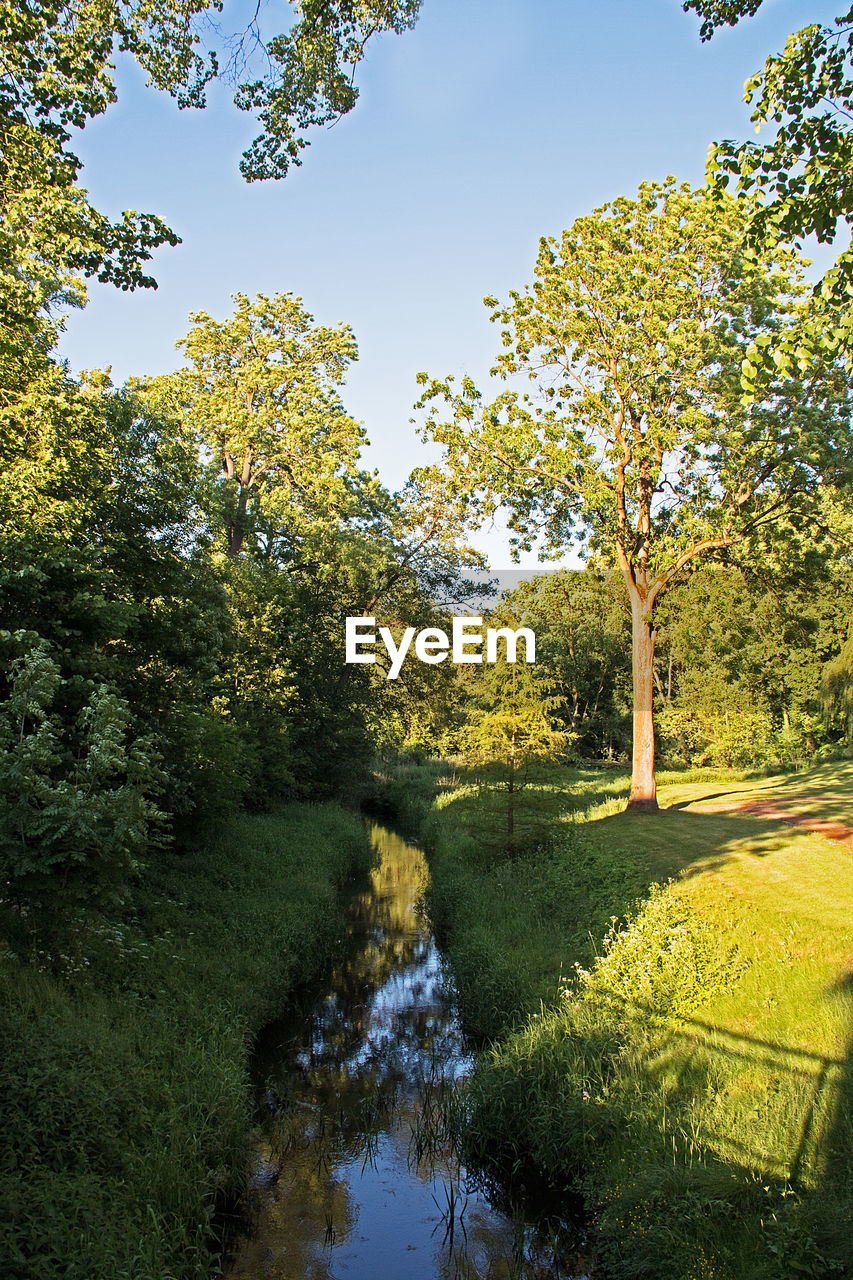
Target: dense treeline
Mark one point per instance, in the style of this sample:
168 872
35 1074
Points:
155 675
743 667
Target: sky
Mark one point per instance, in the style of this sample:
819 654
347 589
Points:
490 124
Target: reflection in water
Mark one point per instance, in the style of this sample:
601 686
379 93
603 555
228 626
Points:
357 1173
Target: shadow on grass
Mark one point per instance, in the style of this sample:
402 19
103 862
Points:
710 1130
680 840
823 794
823 1078
784 1116
830 1206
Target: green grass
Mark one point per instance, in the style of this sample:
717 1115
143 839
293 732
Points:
404 790
126 1113
694 1079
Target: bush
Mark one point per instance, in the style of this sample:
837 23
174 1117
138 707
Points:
75 804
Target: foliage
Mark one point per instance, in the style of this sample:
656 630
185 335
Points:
232 666
127 1098
715 722
310 74
741 664
799 180
57 74
742 656
583 644
299 711
81 806
634 334
837 684
510 726
58 60
104 558
260 398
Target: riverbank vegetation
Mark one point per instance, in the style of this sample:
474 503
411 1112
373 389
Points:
666 1005
127 1110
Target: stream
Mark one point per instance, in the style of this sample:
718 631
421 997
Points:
357 1174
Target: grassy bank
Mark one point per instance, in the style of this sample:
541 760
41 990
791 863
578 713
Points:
693 1076
126 1113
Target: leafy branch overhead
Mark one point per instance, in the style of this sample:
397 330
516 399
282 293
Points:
309 75
801 179
58 59
57 72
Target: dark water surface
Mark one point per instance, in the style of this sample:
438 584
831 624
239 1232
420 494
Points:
357 1174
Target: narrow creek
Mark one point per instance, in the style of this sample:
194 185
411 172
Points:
357 1174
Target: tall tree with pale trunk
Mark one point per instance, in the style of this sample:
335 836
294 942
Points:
637 434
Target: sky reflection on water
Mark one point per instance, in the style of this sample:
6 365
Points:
356 1174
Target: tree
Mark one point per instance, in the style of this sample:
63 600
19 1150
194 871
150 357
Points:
634 333
512 725
58 72
261 398
800 179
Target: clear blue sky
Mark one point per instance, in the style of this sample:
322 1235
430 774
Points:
490 124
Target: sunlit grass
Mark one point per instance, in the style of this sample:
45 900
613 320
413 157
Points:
713 1138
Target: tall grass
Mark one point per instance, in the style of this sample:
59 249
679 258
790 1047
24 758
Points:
127 1111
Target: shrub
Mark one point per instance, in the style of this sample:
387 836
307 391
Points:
76 801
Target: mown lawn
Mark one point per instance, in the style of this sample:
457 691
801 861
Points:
694 1079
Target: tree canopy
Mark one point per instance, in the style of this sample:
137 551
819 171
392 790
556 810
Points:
799 180
260 397
634 332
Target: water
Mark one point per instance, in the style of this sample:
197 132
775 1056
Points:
357 1174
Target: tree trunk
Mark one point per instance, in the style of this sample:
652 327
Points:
235 538
643 792
510 811
235 526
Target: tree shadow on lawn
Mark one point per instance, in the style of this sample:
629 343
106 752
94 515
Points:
820 799
680 840
786 1118
830 1206
725 1129
695 1044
